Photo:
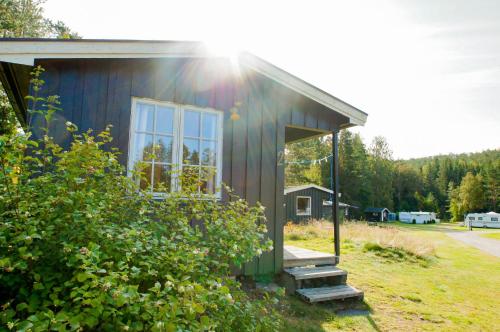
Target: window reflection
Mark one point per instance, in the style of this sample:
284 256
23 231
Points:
172 156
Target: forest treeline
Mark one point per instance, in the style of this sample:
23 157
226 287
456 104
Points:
450 185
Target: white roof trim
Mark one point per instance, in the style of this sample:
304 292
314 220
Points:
355 116
307 186
25 51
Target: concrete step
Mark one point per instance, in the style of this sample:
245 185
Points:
321 294
301 273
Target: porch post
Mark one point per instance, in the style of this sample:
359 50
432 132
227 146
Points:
335 196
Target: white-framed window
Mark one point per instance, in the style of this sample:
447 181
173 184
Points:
303 205
171 139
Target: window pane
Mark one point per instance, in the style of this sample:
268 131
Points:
208 153
162 178
190 179
143 147
164 120
192 124
209 126
208 180
191 154
163 149
303 205
145 182
144 117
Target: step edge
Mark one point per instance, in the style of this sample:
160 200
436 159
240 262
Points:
337 288
337 296
309 262
318 275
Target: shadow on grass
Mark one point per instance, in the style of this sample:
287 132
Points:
348 314
397 254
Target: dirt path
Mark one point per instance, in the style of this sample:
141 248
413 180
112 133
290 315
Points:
490 246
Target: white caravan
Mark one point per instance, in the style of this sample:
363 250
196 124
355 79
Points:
486 220
417 217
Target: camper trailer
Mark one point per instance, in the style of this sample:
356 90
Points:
486 220
417 217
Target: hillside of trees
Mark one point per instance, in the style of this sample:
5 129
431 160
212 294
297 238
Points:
450 185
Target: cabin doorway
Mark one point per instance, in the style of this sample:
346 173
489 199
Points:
308 181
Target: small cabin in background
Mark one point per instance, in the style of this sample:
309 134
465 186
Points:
311 201
417 217
377 214
486 220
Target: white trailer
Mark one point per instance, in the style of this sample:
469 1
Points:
418 217
486 220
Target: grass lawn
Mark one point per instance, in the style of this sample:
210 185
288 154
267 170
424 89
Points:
449 287
495 236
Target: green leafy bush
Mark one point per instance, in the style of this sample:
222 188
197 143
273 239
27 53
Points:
83 248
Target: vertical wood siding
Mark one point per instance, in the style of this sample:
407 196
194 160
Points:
98 92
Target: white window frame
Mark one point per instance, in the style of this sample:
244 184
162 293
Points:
308 210
178 139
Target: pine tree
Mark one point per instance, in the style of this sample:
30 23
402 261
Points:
382 169
471 193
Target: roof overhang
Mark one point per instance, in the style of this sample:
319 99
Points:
307 186
26 51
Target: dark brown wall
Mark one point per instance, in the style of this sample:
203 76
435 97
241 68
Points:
98 92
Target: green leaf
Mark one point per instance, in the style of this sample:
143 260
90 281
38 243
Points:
21 306
81 277
198 308
24 326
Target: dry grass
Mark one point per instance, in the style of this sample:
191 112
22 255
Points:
384 240
310 230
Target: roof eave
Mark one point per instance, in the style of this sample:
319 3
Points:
356 116
26 51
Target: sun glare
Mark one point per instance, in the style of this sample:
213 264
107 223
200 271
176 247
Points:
224 49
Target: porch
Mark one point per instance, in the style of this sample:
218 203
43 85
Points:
295 257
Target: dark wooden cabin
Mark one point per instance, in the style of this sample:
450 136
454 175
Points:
230 115
310 201
377 214
306 202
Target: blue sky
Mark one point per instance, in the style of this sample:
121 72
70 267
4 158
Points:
426 72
